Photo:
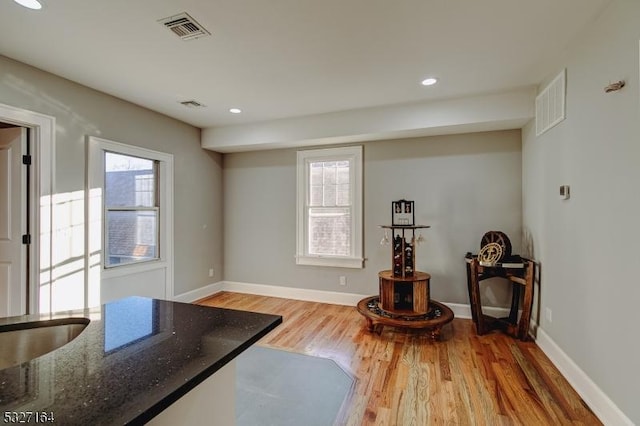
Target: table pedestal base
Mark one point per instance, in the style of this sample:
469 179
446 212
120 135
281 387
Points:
437 316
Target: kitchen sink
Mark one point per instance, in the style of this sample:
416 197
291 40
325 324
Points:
25 341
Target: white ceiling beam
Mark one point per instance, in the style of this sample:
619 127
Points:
498 111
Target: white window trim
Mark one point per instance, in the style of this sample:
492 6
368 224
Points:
95 168
354 155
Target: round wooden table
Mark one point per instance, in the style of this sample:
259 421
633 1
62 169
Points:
437 316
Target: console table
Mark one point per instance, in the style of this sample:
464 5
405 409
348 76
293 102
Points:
520 275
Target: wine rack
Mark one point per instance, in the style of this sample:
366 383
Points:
403 289
403 299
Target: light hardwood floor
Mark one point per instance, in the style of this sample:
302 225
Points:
404 378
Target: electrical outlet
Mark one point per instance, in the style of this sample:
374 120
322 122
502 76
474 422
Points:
343 280
548 315
212 272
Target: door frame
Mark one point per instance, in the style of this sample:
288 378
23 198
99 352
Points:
42 136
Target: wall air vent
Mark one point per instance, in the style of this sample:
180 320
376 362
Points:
192 104
550 104
184 26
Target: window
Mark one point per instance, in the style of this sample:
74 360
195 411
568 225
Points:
329 229
129 213
131 209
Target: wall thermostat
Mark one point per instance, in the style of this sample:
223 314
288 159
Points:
564 192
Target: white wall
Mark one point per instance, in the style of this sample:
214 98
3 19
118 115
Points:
462 185
588 245
80 111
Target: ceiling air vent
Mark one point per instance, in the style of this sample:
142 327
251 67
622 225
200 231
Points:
184 26
550 104
192 104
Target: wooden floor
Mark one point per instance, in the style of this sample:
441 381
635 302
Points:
404 378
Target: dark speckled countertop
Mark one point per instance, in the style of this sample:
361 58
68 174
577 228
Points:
135 358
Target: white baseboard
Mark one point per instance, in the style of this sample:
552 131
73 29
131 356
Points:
199 293
322 296
464 311
336 298
605 409
459 310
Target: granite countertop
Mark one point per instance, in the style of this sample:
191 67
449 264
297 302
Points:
135 358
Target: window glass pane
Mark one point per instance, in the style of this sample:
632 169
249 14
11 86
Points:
129 181
144 190
342 195
315 198
330 231
329 196
132 236
329 173
329 184
315 174
343 172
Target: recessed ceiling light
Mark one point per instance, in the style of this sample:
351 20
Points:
235 110
429 81
31 4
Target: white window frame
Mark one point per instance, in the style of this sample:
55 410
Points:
353 154
157 208
95 165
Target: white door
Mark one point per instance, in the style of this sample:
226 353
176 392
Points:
12 222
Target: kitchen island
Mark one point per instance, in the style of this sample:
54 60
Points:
134 360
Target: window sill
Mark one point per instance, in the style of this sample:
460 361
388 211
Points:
133 268
336 262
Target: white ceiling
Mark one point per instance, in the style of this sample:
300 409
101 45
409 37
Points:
278 59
